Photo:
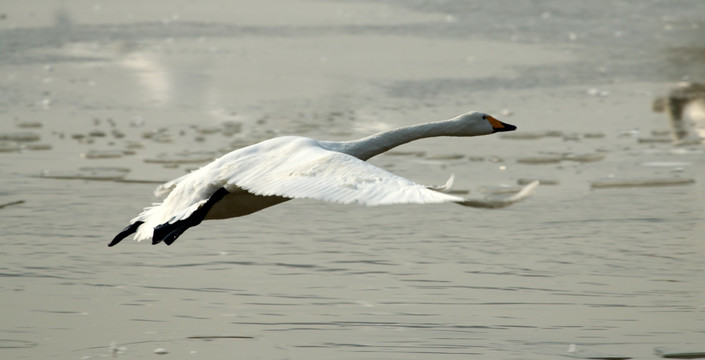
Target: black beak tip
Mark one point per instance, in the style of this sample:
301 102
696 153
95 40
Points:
506 127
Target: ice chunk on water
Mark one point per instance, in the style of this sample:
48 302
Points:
680 354
8 146
588 157
183 158
542 181
103 154
540 159
639 182
23 136
39 147
88 173
28 124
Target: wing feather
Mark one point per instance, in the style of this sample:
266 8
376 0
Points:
312 172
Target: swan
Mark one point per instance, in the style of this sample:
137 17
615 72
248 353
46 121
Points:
258 176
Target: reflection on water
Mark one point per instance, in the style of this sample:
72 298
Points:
151 74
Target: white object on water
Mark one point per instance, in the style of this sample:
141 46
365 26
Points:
276 170
160 351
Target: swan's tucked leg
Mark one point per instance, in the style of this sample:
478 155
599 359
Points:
169 232
130 229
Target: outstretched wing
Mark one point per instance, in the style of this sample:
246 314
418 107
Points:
313 172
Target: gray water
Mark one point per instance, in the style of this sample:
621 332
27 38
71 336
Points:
123 90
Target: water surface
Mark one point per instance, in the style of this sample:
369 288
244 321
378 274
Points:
603 272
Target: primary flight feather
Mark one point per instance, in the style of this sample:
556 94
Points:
291 167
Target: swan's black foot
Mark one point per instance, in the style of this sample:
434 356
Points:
169 232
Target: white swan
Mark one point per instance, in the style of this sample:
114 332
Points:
276 170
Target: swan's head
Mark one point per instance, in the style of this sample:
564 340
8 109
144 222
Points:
477 123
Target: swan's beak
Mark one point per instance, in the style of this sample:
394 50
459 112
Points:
498 126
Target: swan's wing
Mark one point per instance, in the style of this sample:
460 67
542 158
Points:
316 173
165 189
312 172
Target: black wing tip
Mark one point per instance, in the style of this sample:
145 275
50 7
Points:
169 232
130 229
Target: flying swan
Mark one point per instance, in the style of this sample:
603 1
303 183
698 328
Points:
273 171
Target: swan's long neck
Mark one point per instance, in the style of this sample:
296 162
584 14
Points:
370 146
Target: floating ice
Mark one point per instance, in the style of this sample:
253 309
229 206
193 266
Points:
589 157
676 354
29 124
137 121
446 157
684 151
665 163
23 136
158 136
406 153
654 140
103 154
88 173
540 159
183 158
542 181
118 134
458 192
134 145
639 182
18 202
594 135
8 146
39 147
597 92
556 158
684 355
208 130
163 138
231 128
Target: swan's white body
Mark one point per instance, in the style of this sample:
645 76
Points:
280 169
